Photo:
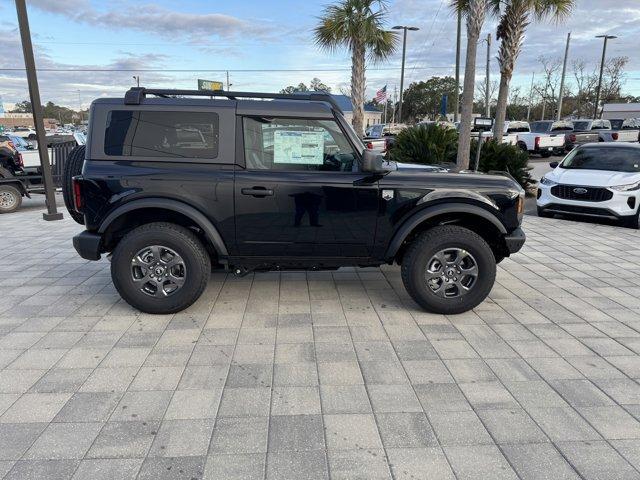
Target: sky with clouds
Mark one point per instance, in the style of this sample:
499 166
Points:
264 45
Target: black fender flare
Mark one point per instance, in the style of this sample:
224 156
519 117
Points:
429 212
209 229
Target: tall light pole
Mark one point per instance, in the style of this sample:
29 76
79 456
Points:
487 92
137 79
404 52
604 52
456 107
564 71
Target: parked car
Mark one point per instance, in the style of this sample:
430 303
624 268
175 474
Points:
10 157
20 143
605 132
572 138
380 136
24 132
594 180
513 128
628 129
166 213
540 140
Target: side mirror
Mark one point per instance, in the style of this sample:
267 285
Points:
553 164
373 162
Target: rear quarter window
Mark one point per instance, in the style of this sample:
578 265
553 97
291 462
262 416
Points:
135 133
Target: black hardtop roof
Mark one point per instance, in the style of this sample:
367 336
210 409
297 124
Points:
317 101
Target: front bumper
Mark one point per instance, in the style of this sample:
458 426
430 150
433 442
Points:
515 240
621 204
88 245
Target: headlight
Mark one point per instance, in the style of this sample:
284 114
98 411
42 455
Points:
626 188
546 181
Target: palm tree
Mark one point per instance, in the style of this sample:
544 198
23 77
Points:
357 25
474 12
515 18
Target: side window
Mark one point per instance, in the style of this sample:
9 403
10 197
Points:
161 134
296 144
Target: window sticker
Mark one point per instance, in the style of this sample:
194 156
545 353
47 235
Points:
295 147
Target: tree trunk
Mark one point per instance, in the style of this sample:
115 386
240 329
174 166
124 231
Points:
475 15
501 107
511 30
358 83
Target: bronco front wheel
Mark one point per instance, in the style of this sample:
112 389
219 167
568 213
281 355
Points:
448 269
160 268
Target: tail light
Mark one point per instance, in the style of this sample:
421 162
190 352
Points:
369 146
520 205
572 138
78 202
537 143
614 135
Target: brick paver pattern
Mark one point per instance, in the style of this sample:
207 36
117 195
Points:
323 374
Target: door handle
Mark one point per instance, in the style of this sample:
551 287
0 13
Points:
257 192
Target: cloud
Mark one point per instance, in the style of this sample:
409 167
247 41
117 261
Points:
154 19
65 86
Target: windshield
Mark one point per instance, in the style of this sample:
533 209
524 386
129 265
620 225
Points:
540 127
615 159
375 131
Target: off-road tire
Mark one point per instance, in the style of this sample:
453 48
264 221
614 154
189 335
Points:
175 237
11 192
72 167
542 213
427 244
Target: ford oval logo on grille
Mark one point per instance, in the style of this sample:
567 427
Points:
580 191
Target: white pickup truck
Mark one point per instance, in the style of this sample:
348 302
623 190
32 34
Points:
606 132
541 141
628 129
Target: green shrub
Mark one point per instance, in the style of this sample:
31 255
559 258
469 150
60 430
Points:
425 144
503 157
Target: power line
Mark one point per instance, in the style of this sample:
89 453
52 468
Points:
250 70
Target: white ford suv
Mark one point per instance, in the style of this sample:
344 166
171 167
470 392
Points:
595 180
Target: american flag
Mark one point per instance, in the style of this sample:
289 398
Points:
381 95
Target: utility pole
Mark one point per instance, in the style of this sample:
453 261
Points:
456 100
604 52
228 84
564 71
533 75
404 28
487 93
36 106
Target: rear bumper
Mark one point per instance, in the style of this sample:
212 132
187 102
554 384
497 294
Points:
515 240
88 245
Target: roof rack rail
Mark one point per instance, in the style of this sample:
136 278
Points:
135 95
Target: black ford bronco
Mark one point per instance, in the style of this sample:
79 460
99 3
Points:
174 183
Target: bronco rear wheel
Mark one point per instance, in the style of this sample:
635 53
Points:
160 268
448 269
